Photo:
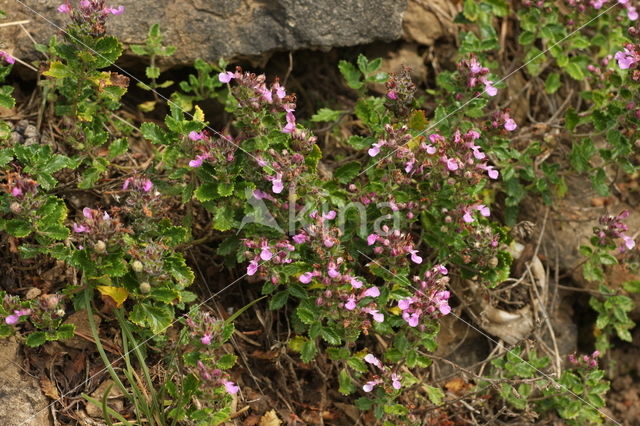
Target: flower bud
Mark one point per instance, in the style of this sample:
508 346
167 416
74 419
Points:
100 246
493 262
145 287
15 207
60 312
137 266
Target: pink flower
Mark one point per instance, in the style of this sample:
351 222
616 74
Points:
330 215
371 239
415 258
510 125
16 192
79 228
356 283
299 238
429 148
395 381
252 268
626 59
405 304
467 218
629 243
328 242
64 8
375 148
489 88
291 123
266 254
113 10
147 185
276 184
351 303
392 95
230 387
206 339
332 271
15 317
452 163
368 387
484 210
8 58
226 77
306 277
85 4
371 292
371 359
377 316
412 319
632 13
196 136
280 91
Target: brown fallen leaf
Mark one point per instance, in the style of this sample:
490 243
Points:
270 418
48 388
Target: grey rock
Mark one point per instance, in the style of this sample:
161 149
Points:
213 29
21 400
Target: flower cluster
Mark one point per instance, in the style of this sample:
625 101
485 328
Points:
217 151
90 14
394 244
589 361
387 375
207 330
629 58
430 298
20 186
400 92
503 119
47 308
264 250
613 228
258 93
283 166
98 227
476 75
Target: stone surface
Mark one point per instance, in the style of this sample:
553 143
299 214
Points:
21 400
211 29
427 20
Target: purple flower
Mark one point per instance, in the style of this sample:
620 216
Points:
266 254
371 239
85 4
375 149
626 59
8 58
252 268
489 88
196 136
395 381
510 125
230 387
356 283
79 228
351 303
206 339
64 8
306 277
113 10
467 218
330 215
368 387
412 319
291 123
226 77
299 238
391 94
332 271
377 316
197 162
629 243
371 359
147 185
280 91
484 210
452 163
415 258
371 292
15 317
276 184
405 304
16 192
328 242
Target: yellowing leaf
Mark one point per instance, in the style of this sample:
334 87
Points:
118 294
198 115
57 70
147 106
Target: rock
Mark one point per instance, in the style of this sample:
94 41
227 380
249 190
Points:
80 320
223 28
427 20
21 400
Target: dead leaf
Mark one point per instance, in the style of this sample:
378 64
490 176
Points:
117 294
270 418
456 385
48 388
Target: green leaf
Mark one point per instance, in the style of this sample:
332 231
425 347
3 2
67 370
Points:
330 335
36 338
436 395
526 38
18 228
326 115
632 286
350 74
6 100
155 317
117 148
55 231
306 315
470 10
152 72
552 83
223 219
153 132
346 386
309 350
206 192
225 189
347 172
575 71
278 300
